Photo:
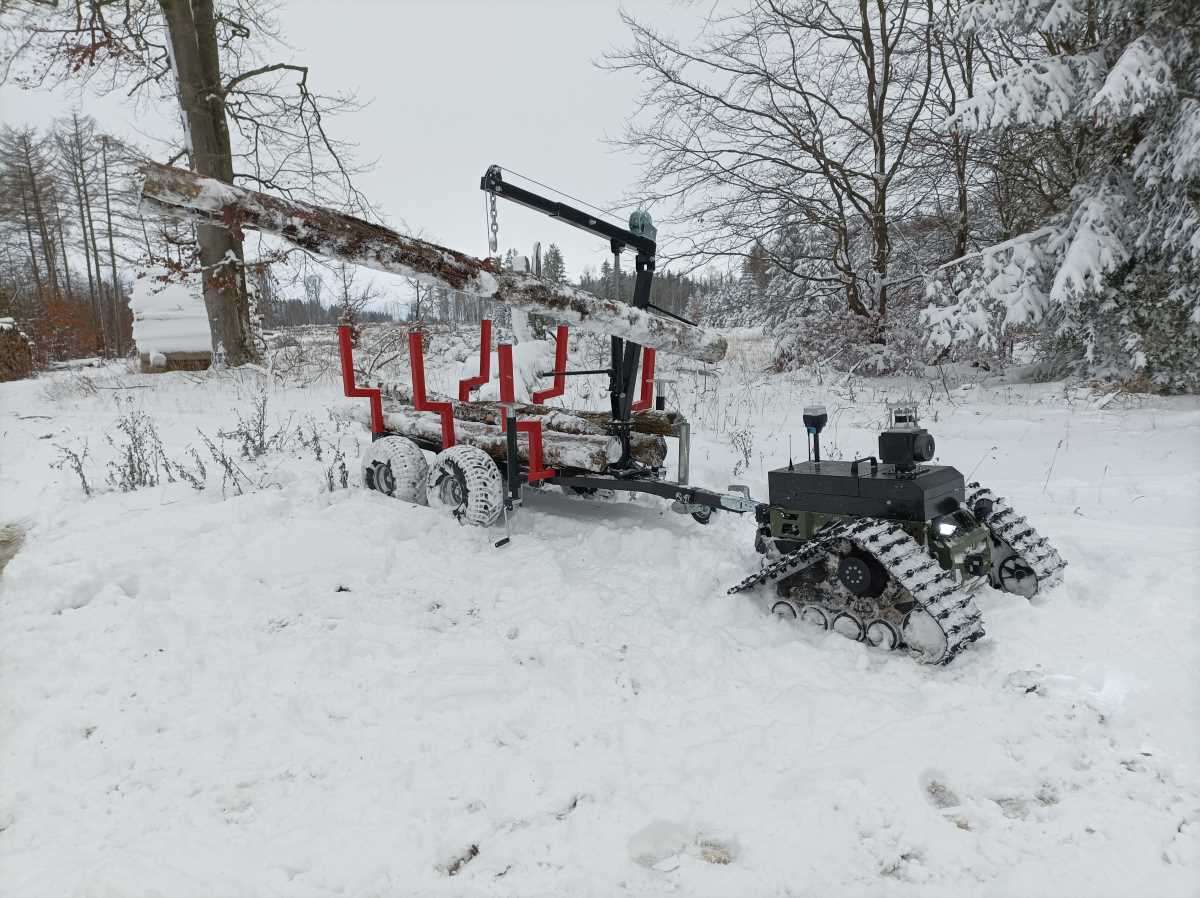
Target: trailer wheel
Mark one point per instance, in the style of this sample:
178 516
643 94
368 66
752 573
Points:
396 467
466 482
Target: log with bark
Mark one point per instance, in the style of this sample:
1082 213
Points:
183 194
560 450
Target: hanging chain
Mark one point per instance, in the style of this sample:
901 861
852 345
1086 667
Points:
493 224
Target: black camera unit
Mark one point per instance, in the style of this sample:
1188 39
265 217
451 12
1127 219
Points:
905 445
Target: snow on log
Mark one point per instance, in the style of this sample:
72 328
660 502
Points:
183 194
586 452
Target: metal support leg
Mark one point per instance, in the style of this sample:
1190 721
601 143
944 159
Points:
512 474
512 463
683 431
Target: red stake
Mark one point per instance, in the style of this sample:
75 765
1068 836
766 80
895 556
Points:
416 358
504 350
532 429
647 396
560 367
466 385
346 354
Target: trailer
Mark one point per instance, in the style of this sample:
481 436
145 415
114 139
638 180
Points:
487 453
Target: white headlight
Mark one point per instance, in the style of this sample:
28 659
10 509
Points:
946 528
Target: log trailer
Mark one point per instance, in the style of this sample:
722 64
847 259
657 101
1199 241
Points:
480 470
885 549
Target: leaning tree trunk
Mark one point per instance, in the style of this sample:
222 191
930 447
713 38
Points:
182 194
191 29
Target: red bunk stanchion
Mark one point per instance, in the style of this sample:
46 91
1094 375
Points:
532 429
466 385
560 368
646 399
346 354
416 358
504 350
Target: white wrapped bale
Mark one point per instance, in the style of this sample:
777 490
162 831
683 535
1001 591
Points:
170 324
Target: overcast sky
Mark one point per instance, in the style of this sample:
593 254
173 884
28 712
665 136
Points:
453 86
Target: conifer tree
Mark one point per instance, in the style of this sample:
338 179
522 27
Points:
1112 280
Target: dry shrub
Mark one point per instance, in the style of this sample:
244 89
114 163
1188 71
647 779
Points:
16 354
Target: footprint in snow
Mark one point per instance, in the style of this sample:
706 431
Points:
660 845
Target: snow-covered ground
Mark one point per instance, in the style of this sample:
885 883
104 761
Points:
303 692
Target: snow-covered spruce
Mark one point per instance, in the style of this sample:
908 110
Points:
1112 280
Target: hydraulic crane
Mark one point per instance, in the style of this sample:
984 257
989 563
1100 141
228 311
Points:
640 236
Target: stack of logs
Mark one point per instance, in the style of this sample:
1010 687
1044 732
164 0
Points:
570 439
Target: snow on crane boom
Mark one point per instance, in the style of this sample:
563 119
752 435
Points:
178 193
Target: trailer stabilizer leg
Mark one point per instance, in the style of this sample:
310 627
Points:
507 538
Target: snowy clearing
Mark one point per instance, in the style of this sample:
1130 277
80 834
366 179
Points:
304 692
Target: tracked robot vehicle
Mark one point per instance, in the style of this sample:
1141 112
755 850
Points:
887 549
890 550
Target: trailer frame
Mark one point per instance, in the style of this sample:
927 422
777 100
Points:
686 498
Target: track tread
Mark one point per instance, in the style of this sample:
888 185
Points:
1036 549
947 602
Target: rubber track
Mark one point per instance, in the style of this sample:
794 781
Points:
1009 527
793 561
934 589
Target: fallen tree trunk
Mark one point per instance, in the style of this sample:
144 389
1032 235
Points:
586 452
183 194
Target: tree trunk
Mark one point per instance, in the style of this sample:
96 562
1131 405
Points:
94 244
77 174
112 253
37 276
62 246
179 193
962 226
39 214
192 32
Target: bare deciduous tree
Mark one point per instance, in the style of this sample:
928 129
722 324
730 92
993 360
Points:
795 117
214 57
